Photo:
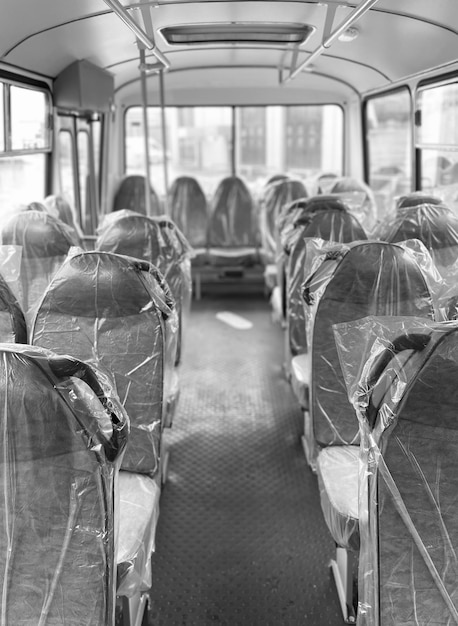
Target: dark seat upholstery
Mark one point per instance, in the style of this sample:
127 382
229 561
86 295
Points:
106 309
60 445
277 195
45 242
153 240
358 279
189 211
233 236
131 195
327 218
434 225
409 531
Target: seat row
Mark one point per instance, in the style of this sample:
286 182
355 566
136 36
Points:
365 321
234 228
102 466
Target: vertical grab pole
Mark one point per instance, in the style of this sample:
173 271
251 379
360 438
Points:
145 133
164 138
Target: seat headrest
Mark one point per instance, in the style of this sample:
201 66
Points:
39 234
99 285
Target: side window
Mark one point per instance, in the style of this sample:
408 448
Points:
437 141
389 147
67 173
25 140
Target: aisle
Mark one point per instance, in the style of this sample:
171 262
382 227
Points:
241 540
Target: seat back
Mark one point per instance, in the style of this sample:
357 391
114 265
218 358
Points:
352 282
59 454
45 242
188 209
409 535
329 220
277 195
434 225
232 217
104 308
360 198
131 195
151 240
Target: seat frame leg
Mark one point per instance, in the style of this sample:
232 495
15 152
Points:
133 609
308 442
342 570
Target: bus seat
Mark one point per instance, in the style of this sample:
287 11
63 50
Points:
328 219
284 225
360 198
276 195
58 207
189 211
131 195
409 530
105 308
45 242
353 281
233 237
62 440
416 198
155 241
436 226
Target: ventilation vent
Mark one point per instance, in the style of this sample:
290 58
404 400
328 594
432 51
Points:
242 32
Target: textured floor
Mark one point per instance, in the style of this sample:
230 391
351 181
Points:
241 540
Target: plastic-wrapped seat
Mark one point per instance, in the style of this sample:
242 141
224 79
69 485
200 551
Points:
58 207
110 310
415 199
353 281
45 242
409 507
285 229
62 438
436 226
157 241
327 218
350 282
277 195
131 195
233 236
360 199
189 211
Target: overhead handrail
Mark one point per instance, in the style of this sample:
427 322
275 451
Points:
141 35
354 16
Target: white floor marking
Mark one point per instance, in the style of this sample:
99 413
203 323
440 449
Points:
233 320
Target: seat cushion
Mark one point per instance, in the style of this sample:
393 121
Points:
338 479
138 515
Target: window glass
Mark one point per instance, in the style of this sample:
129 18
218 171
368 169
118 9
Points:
2 120
198 144
437 141
389 141
66 167
301 140
22 180
29 113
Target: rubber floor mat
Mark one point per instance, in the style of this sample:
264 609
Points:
241 539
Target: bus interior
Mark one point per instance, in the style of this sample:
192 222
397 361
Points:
229 312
